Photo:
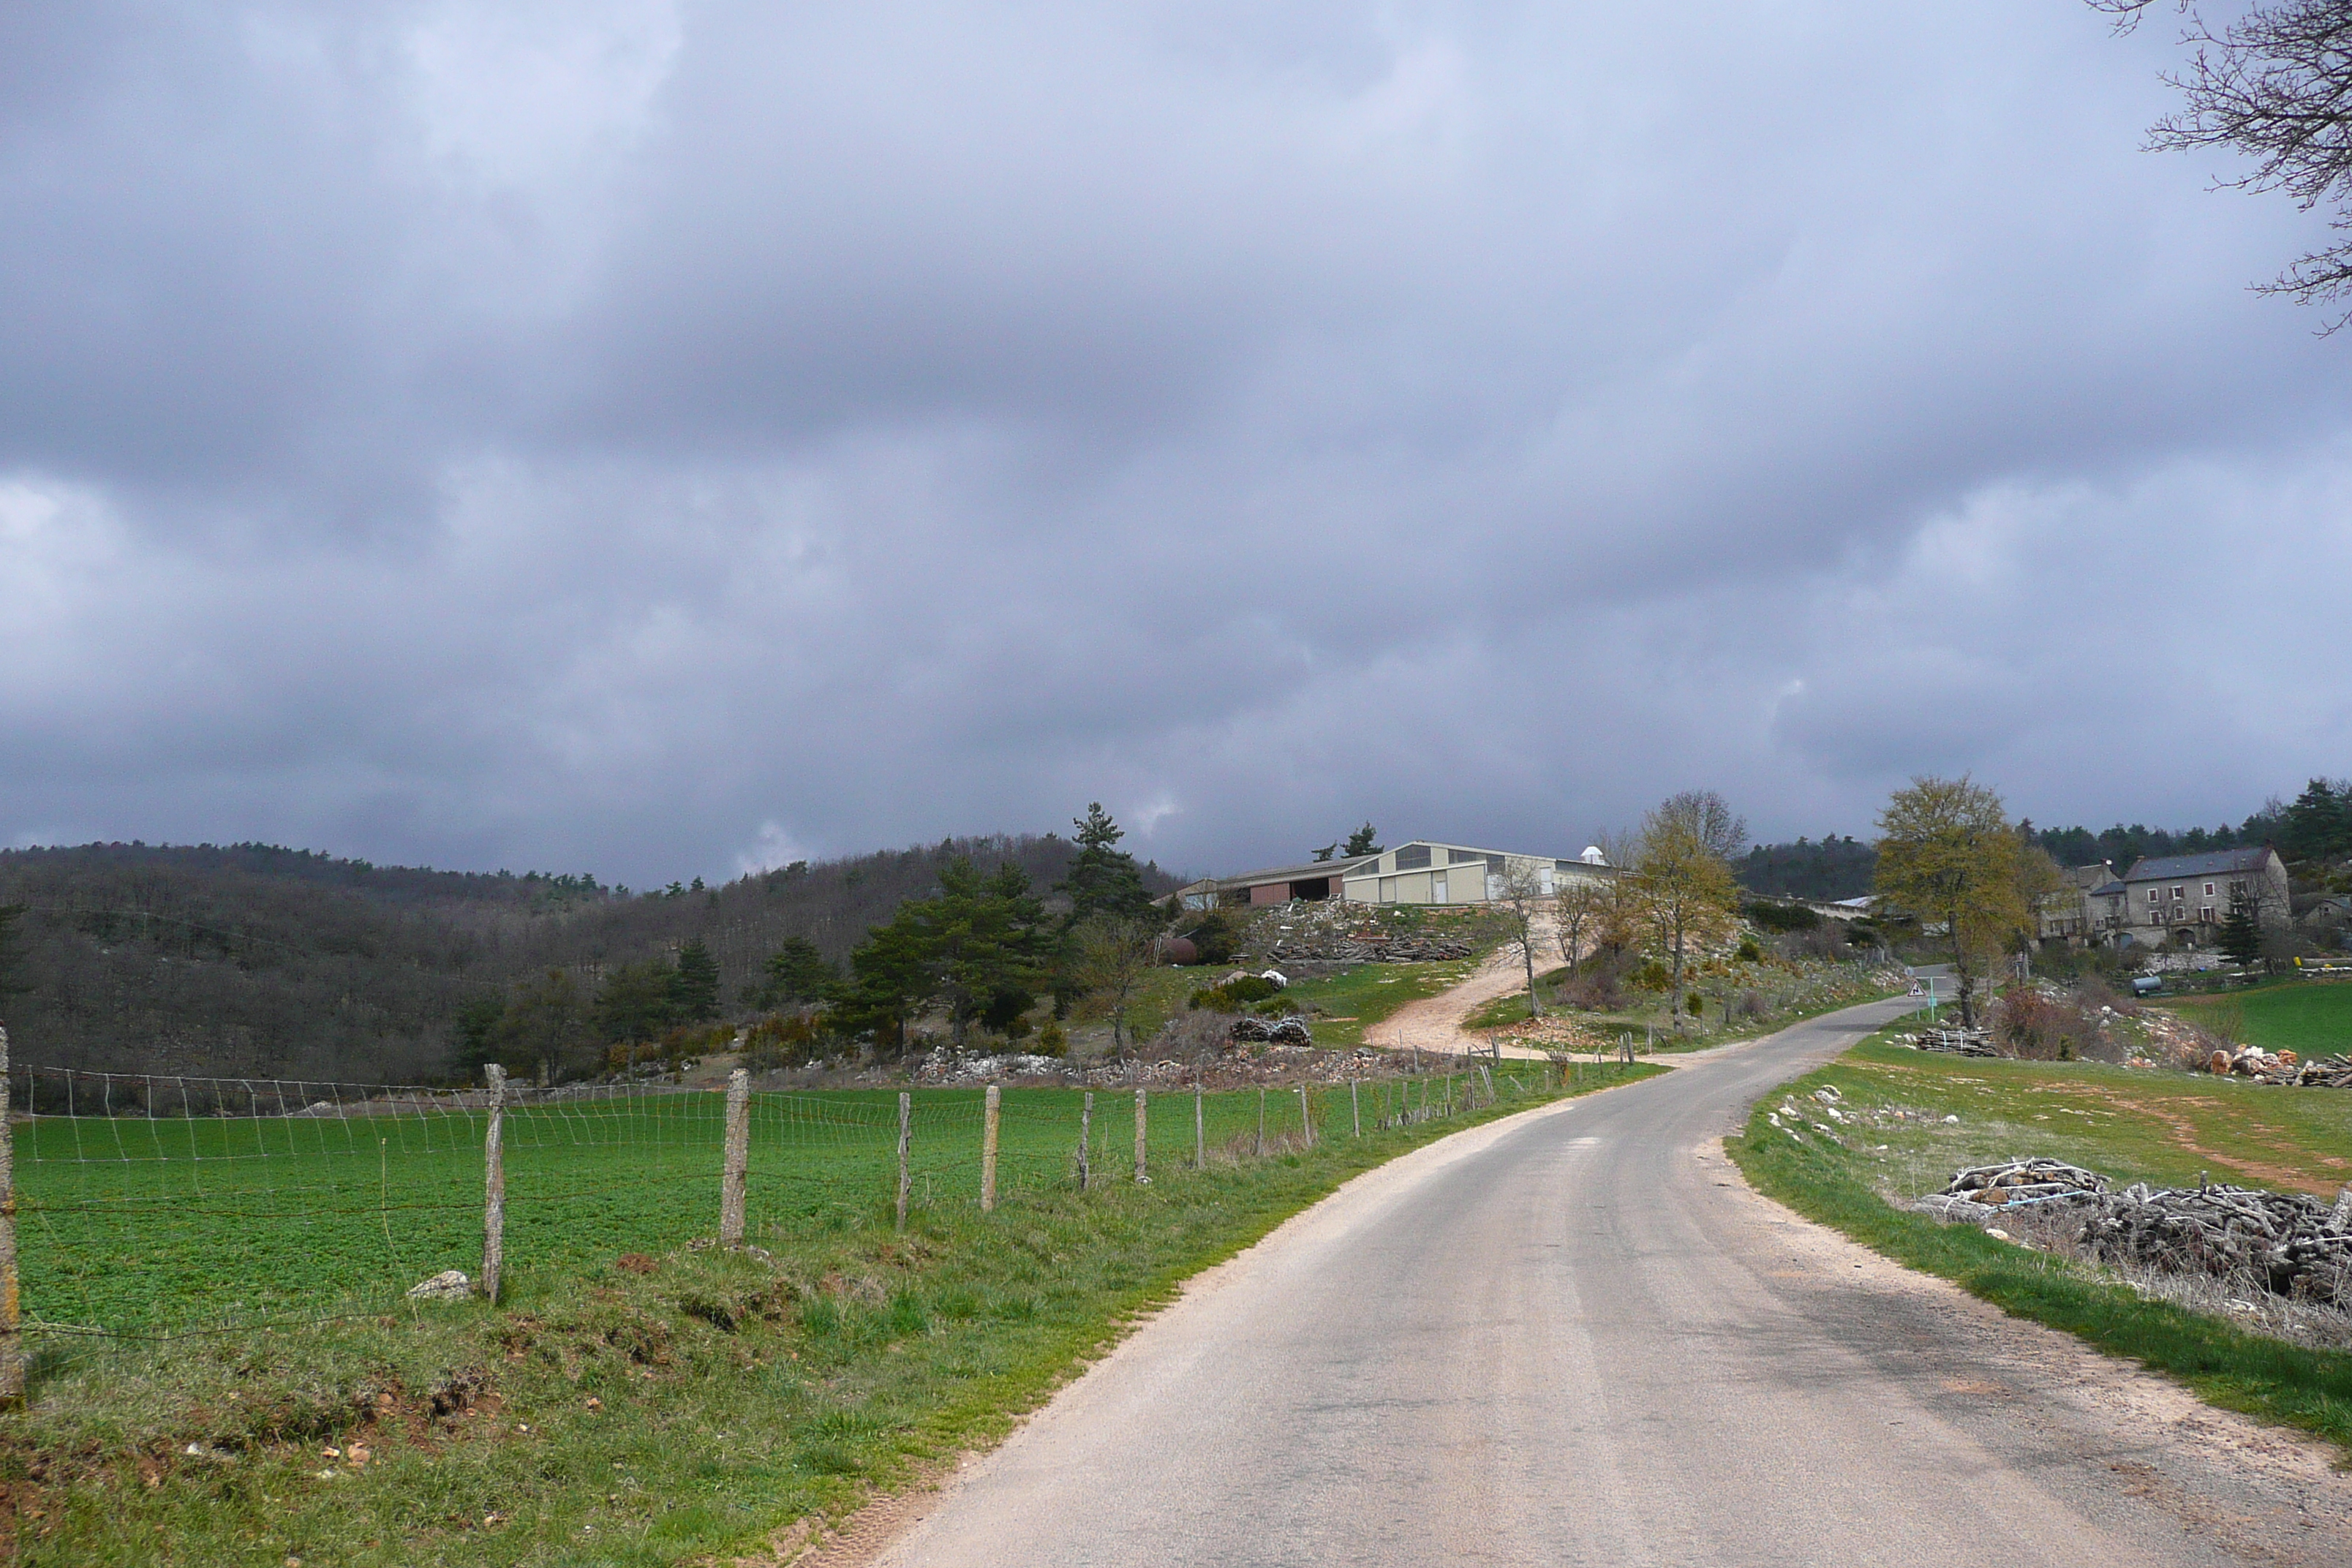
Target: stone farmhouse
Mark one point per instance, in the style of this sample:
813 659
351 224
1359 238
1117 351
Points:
1421 872
2180 899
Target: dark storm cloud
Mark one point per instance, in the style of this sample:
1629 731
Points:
660 438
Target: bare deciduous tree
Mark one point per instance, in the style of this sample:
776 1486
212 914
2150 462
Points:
1579 901
1113 952
2274 83
1520 900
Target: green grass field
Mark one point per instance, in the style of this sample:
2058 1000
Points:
683 1406
2310 1018
136 1226
2131 1124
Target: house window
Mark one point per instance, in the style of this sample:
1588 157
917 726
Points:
2153 894
2180 892
1412 858
1462 857
2209 889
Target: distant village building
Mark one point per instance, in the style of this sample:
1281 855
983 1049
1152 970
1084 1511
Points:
2182 899
2074 908
1421 872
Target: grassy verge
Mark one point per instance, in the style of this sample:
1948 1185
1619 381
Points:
2132 1125
651 1409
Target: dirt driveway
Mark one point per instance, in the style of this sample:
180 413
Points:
1434 1022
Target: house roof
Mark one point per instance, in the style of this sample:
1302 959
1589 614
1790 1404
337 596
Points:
1304 871
2108 890
2214 862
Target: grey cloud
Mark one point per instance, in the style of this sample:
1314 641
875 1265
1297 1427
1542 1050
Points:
654 437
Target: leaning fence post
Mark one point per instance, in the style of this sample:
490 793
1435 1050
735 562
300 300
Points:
1086 1139
1490 1082
1306 1121
494 1185
988 1149
1142 1111
12 1343
1200 1131
1355 1107
906 1134
737 1166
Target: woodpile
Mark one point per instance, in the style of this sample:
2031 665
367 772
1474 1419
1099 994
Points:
1975 1196
2022 1181
2288 1243
2292 1244
1959 1042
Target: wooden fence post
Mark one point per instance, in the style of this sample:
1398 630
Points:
906 1135
988 1149
1489 1077
1355 1107
1306 1118
1143 1140
494 1185
11 1339
1261 1121
1200 1131
737 1167
1086 1139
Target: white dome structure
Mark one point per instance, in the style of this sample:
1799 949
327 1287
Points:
1592 856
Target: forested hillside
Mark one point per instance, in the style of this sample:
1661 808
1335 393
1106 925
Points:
1834 868
254 960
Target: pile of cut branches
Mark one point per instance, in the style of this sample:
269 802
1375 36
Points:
2288 1243
1959 1042
2294 1244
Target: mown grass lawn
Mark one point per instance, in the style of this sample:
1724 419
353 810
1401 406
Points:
2129 1124
2310 1018
630 1405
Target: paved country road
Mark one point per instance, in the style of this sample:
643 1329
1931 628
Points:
1576 1337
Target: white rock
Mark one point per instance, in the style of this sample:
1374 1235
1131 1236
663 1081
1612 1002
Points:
1953 1120
449 1285
1996 1232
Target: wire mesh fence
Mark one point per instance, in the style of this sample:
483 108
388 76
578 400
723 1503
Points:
150 1206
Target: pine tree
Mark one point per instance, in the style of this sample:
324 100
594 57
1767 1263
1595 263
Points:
797 973
2241 929
1365 840
694 984
1103 879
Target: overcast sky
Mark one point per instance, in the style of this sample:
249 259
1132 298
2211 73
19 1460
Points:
668 438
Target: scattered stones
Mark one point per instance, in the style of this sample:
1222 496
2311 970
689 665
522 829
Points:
449 1285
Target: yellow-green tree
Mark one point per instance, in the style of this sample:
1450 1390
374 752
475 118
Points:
1948 854
1682 876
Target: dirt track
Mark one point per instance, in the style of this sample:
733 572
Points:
1434 1022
